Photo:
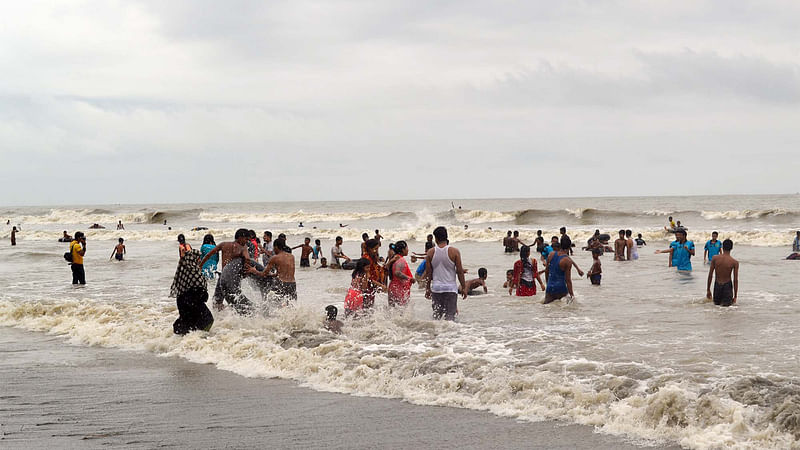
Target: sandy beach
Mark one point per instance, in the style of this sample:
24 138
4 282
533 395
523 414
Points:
55 395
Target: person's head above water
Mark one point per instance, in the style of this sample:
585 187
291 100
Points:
727 245
307 240
280 245
509 274
331 312
181 239
483 273
121 240
670 218
440 234
209 239
364 236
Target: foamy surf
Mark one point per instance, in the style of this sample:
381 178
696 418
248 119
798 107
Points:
435 363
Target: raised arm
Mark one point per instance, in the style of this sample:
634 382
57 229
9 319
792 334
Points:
213 252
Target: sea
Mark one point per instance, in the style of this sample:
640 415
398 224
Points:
644 356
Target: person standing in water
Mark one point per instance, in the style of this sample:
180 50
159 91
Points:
442 267
620 247
119 251
210 266
183 247
400 275
726 268
229 284
633 247
120 226
712 248
525 272
375 272
77 249
284 285
559 272
680 251
13 236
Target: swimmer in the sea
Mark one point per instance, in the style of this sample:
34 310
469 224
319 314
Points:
120 226
306 250
283 285
119 251
331 323
620 247
639 241
323 263
509 278
725 290
13 236
475 283
595 274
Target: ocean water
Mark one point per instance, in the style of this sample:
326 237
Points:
644 356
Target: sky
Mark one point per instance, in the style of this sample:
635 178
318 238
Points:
177 101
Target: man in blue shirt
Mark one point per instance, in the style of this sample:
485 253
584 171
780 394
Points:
680 251
712 248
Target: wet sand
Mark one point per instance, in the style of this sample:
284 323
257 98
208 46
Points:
53 394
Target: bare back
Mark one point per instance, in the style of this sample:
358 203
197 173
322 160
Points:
284 265
723 266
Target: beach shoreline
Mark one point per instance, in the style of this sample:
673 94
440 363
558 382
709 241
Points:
60 395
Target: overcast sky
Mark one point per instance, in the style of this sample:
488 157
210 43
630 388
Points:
194 101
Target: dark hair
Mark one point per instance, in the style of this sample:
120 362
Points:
510 272
241 233
628 233
556 245
524 253
714 232
377 231
338 238
440 233
181 238
562 229
566 242
281 244
209 239
364 236
399 246
482 273
307 239
597 251
670 217
640 234
282 236
268 233
727 245
622 232
121 240
680 230
372 243
538 232
332 312
509 232
430 236
316 241
253 234
428 246
361 265
78 234
516 232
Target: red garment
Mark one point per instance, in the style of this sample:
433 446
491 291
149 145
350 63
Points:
376 273
255 244
399 289
354 301
525 291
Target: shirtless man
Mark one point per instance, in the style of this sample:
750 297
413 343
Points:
725 290
474 284
620 247
284 285
119 251
508 248
235 258
306 250
120 226
13 235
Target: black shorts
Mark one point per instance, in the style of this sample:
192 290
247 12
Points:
304 262
595 279
723 294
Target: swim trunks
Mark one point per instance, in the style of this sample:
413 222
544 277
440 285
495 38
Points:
509 250
723 294
304 262
118 256
595 279
285 290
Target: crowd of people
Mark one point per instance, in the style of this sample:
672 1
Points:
270 267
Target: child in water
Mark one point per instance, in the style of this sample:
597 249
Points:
331 323
316 251
323 263
118 251
596 272
473 285
509 278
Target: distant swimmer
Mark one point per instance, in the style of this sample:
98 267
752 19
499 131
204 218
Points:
120 226
306 249
8 222
559 273
595 274
712 248
364 239
378 235
14 236
725 290
639 241
119 251
331 323
680 251
671 227
96 226
442 269
300 225
65 237
199 228
633 247
165 221
480 282
526 271
467 227
342 225
621 248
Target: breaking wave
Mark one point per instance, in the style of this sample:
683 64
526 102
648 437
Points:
444 364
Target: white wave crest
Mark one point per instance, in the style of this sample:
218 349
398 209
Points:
292 217
744 214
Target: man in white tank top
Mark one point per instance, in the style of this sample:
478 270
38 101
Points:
442 267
